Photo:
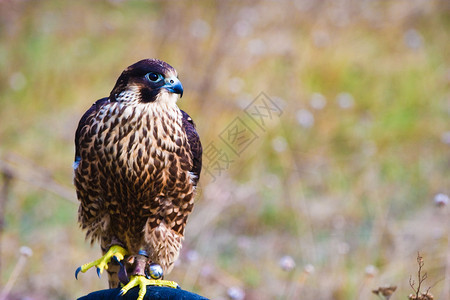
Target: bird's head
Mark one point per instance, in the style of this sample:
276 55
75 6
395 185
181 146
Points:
148 80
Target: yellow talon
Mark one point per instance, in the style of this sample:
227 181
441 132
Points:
102 262
142 282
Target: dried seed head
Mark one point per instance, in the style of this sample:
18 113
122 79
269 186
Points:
371 271
309 269
426 296
386 291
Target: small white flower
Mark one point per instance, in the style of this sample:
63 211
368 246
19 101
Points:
235 84
235 293
256 47
305 118
345 100
17 81
192 256
441 199
287 263
371 270
309 269
279 144
413 39
207 271
343 248
318 101
243 28
200 29
445 137
26 251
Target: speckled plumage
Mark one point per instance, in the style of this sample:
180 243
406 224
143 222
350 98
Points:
137 164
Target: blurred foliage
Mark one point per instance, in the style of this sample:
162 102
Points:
342 181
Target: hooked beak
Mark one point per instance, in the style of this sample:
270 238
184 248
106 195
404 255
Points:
173 85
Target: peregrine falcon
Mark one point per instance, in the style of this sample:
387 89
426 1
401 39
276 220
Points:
138 159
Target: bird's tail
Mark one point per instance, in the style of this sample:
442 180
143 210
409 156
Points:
113 277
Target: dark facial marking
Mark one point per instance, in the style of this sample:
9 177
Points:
148 95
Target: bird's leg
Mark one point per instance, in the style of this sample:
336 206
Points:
140 278
102 263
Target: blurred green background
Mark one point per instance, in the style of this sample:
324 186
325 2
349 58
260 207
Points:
342 184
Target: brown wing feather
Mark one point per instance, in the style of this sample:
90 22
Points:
84 122
194 144
90 207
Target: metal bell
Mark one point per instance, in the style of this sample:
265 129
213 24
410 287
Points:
155 271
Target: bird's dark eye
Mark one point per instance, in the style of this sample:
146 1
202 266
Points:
154 76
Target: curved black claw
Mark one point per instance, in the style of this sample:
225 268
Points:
98 273
78 270
116 260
